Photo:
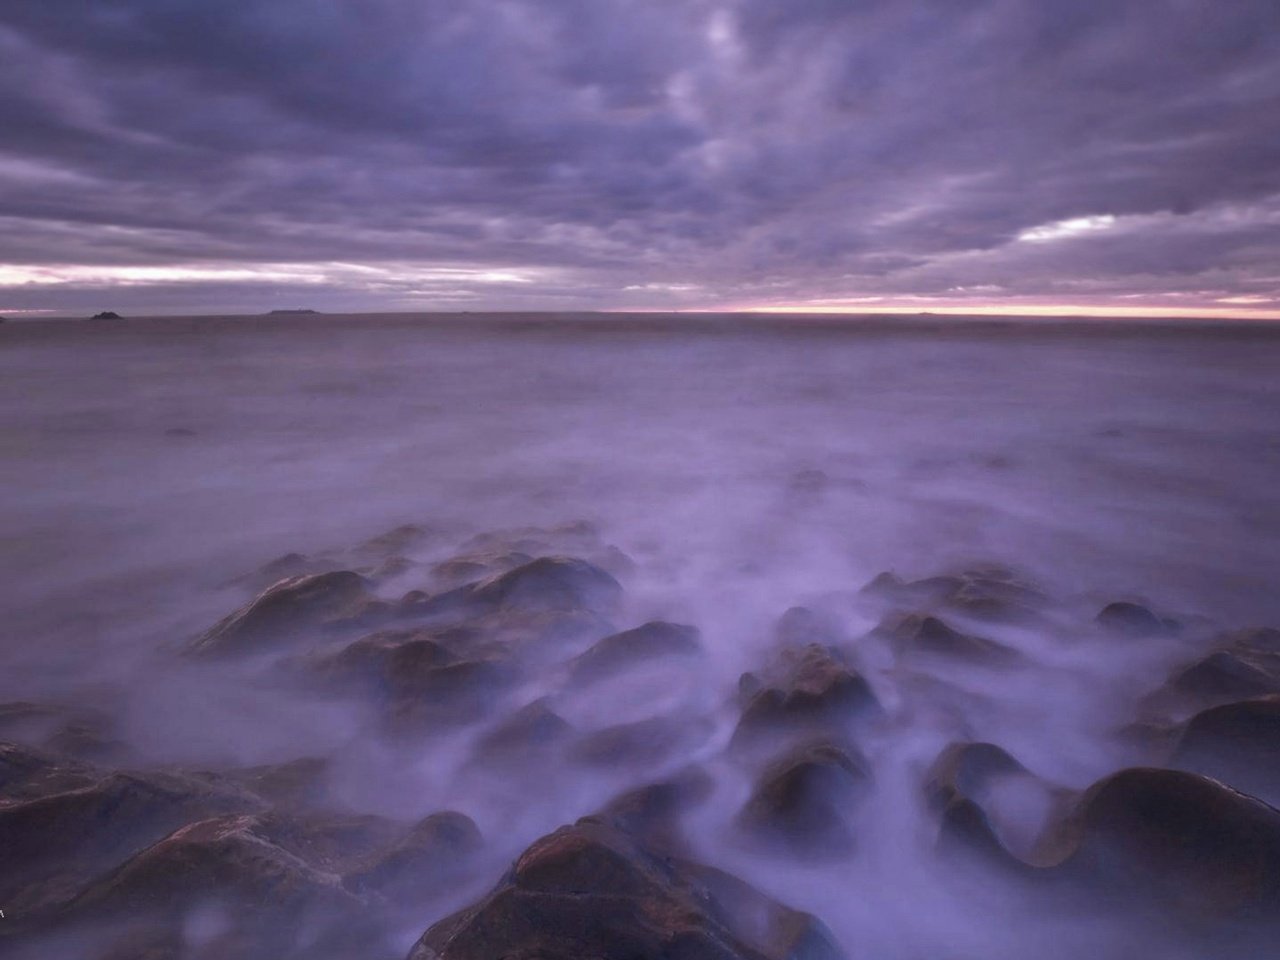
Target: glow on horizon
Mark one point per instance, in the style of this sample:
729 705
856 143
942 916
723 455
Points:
1067 228
1024 310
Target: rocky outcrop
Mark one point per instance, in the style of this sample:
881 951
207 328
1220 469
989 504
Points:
808 692
1237 743
295 608
590 890
655 640
802 803
1124 618
916 635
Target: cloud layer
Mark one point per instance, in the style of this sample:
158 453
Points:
577 154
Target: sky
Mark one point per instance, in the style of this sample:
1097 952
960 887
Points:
1026 156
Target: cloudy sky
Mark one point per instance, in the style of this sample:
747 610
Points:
242 155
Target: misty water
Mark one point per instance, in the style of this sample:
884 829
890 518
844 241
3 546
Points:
728 472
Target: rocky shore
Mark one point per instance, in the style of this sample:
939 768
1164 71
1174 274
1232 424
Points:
782 770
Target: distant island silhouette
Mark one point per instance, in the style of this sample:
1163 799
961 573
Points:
106 315
297 311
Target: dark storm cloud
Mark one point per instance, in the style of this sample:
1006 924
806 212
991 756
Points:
559 152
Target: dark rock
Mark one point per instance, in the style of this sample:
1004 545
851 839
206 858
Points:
1237 743
436 850
641 743
1179 840
394 542
527 734
813 694
1131 619
457 693
291 608
591 891
800 626
298 783
470 568
551 584
916 634
801 803
27 774
385 663
654 640
966 771
988 593
54 843
651 814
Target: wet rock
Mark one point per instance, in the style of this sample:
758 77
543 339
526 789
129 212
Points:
298 783
394 542
640 744
801 626
54 843
966 771
549 584
456 693
291 609
528 734
915 634
655 640
811 693
27 774
286 567
652 814
1237 743
381 663
989 593
589 890
438 849
1247 664
1183 842
802 802
1131 619
470 568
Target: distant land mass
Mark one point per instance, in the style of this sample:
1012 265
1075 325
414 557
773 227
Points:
275 312
106 315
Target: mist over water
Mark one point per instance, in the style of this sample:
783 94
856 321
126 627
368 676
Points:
149 466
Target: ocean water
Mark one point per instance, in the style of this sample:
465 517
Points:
743 467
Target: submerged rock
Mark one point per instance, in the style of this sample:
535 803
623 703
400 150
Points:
1237 743
439 848
1132 619
655 640
290 609
915 634
801 804
813 693
590 890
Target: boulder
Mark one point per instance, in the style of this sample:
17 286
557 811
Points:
642 743
655 640
1124 618
919 635
802 802
811 693
990 593
1236 743
590 890
549 584
527 735
438 849
294 608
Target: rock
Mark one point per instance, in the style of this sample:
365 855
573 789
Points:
436 850
915 634
589 890
27 774
966 771
298 783
1181 841
812 694
1247 664
528 734
801 804
549 584
655 640
384 664
800 626
651 814
989 593
1131 619
640 744
470 568
456 693
54 843
1237 743
290 609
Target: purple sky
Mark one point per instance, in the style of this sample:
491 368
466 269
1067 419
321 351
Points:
244 155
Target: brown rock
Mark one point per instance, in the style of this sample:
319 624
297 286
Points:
655 640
